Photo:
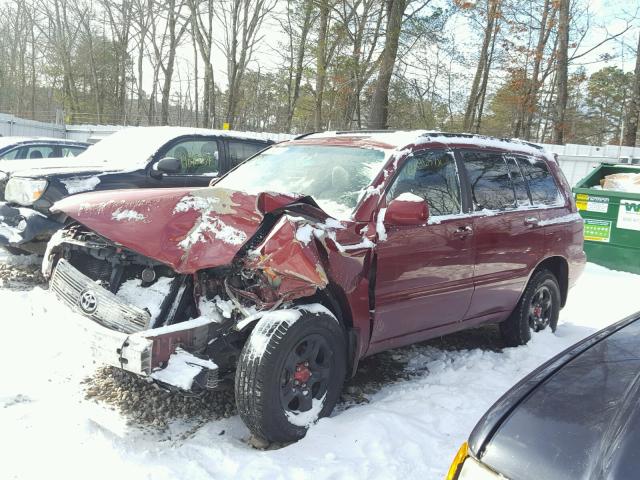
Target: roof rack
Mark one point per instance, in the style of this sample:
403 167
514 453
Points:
477 135
347 132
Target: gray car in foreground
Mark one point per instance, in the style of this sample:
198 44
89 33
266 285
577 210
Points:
575 417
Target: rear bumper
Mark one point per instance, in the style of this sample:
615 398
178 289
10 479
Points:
119 338
19 225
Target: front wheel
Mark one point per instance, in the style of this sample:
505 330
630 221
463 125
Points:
538 309
290 372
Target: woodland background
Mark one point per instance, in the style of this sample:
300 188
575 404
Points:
541 70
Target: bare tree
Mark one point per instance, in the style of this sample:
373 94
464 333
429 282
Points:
562 72
477 95
379 111
633 108
242 21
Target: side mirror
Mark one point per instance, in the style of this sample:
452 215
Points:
167 165
407 209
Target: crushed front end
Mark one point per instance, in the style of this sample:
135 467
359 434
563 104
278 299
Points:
160 320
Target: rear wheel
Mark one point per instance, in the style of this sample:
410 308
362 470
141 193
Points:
290 373
537 310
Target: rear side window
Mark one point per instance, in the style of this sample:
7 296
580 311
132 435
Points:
433 176
71 151
240 151
541 183
489 180
519 184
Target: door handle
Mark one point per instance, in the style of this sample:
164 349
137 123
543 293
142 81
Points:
531 221
463 231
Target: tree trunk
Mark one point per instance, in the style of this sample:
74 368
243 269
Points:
633 109
483 64
379 113
321 58
562 74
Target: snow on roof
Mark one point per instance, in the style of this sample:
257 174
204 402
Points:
9 141
402 138
135 145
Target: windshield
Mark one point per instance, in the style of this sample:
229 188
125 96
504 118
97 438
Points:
333 176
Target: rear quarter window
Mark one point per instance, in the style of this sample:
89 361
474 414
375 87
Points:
542 185
240 151
489 181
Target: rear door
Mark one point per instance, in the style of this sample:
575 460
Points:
509 240
424 276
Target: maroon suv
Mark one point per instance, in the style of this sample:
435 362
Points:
313 254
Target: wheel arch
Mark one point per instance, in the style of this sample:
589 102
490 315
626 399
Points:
559 266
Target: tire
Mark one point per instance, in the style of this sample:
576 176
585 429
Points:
269 400
538 308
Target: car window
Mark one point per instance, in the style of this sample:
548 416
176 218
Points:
198 157
433 176
240 151
71 151
11 154
38 151
519 185
489 179
336 177
541 183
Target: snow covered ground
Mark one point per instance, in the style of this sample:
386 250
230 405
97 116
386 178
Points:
409 429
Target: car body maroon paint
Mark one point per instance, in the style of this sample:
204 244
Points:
388 281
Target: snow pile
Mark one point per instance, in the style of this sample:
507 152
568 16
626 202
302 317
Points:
128 215
409 197
218 229
409 429
206 206
80 184
182 369
147 298
380 230
308 418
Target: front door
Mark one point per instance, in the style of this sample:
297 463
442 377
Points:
424 273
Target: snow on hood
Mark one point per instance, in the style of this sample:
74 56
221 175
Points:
10 166
186 228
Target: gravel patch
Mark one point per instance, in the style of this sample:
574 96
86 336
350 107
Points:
146 404
18 276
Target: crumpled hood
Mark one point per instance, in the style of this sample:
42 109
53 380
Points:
188 229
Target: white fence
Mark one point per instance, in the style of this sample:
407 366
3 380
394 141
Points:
14 126
575 160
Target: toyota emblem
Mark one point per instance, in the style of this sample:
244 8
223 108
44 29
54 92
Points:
88 301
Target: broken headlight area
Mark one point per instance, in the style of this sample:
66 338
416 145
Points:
156 322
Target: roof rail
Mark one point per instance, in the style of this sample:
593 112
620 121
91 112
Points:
364 130
302 135
477 135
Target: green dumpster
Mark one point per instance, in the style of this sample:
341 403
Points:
611 220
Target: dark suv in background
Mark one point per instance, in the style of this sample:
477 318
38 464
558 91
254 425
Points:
136 157
314 253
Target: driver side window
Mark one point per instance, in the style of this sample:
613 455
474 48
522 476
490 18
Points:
197 157
433 176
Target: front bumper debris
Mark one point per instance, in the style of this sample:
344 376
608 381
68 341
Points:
20 225
118 334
